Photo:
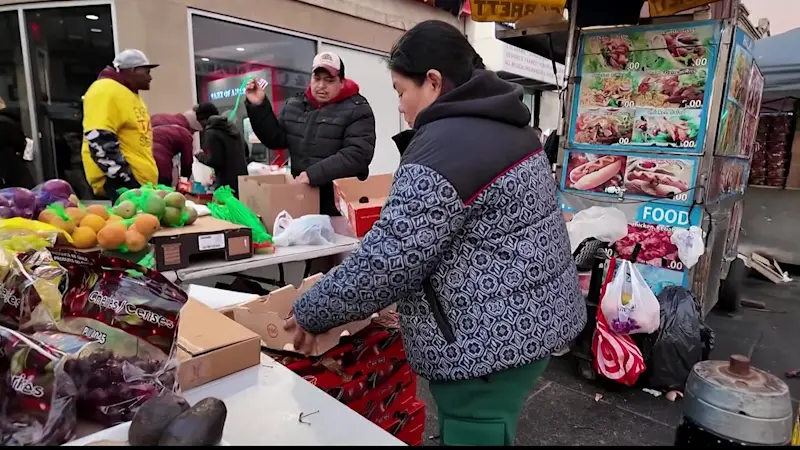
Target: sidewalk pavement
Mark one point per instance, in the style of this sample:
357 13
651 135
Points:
564 409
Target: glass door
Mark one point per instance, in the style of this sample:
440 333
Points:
67 47
14 102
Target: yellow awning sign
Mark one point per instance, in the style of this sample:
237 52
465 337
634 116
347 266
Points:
513 10
661 8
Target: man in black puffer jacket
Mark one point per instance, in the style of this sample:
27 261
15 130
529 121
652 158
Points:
329 131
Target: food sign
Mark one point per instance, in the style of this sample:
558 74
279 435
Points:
661 178
645 89
514 10
739 118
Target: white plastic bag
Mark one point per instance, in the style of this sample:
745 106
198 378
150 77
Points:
311 229
605 224
629 305
690 244
202 174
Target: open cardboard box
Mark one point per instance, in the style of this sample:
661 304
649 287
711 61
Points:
360 202
266 316
267 195
211 346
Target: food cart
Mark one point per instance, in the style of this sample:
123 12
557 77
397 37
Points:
658 121
769 221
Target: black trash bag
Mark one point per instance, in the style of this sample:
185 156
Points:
682 341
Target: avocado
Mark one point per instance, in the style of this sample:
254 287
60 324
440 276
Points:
201 425
153 417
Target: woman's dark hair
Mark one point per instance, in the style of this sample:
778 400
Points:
437 45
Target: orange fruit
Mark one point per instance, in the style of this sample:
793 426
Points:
94 222
112 236
66 225
147 224
84 237
46 216
134 240
99 210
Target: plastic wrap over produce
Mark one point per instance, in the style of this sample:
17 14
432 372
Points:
118 324
38 401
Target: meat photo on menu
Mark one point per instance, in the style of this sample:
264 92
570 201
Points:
678 48
607 89
604 126
657 248
730 126
740 77
607 53
661 178
667 127
673 89
594 172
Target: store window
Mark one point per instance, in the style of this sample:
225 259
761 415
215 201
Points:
68 47
228 53
14 104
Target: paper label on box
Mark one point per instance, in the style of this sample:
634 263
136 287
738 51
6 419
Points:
211 242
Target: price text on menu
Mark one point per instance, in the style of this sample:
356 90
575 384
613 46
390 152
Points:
646 89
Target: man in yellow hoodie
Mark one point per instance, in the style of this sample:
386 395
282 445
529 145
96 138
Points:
117 148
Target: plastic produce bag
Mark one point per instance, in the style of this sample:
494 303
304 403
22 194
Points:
602 223
227 207
682 340
30 280
628 303
38 401
17 202
616 356
311 229
54 191
202 174
131 313
690 245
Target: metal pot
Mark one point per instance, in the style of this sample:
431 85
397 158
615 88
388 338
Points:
729 402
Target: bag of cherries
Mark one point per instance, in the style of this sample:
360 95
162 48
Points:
38 398
118 325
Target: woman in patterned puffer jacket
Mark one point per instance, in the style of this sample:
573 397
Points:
471 244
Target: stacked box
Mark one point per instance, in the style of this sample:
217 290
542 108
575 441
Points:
369 373
770 164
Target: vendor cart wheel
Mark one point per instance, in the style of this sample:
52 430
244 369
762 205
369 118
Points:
730 289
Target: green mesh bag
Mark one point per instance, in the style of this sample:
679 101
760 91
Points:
227 207
151 200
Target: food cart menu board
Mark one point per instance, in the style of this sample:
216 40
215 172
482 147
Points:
645 88
743 90
646 176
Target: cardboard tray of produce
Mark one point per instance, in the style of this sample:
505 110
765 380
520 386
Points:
114 436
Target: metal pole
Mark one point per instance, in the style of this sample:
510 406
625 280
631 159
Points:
572 42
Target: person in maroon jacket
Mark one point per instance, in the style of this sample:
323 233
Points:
173 134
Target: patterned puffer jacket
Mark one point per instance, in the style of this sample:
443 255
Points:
471 244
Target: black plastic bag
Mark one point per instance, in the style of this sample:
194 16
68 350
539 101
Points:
682 340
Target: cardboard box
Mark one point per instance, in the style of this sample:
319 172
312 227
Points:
267 315
207 238
268 195
211 346
361 201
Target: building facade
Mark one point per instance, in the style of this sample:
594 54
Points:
535 73
50 52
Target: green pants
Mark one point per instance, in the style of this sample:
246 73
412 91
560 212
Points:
484 411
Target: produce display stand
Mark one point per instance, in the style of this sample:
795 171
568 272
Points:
265 404
659 123
281 256
271 405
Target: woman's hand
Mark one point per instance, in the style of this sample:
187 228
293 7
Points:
304 342
254 92
302 178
